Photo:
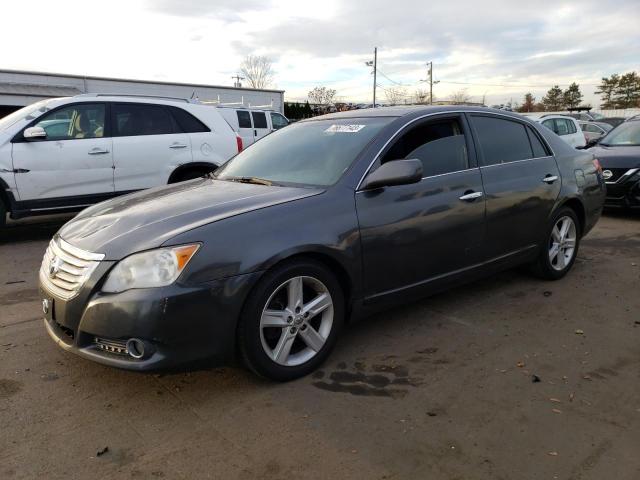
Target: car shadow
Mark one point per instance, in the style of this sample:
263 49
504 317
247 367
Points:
32 229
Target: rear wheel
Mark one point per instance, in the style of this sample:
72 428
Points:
561 246
291 320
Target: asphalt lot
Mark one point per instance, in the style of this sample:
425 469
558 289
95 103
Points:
440 389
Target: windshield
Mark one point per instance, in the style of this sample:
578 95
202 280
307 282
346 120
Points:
625 134
596 116
36 109
309 153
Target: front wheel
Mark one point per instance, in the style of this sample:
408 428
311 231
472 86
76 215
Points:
291 320
560 249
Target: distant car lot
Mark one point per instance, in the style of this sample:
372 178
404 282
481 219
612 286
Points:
441 388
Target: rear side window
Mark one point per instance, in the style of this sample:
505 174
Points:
244 120
440 146
539 149
501 141
131 120
259 120
187 122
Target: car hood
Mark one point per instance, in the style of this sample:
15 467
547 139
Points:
149 218
617 157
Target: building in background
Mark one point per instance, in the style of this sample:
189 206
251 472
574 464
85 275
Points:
19 88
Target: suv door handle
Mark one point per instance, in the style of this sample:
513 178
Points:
178 145
550 179
471 196
98 151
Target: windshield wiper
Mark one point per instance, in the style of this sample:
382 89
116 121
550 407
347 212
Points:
254 180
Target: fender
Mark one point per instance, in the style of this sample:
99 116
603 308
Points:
6 195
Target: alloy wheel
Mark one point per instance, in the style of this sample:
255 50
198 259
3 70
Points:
562 244
296 321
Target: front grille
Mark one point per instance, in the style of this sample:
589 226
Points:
618 173
65 268
116 347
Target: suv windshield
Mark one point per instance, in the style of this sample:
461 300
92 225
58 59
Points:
625 134
32 111
309 153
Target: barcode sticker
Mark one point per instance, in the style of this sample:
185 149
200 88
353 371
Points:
344 128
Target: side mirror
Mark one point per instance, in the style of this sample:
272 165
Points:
34 133
396 172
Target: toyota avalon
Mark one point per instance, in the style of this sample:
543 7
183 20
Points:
315 225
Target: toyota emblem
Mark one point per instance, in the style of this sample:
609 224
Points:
607 174
54 267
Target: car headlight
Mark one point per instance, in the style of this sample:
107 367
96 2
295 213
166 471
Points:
154 268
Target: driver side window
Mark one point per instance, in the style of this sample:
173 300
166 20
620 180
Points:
439 144
74 122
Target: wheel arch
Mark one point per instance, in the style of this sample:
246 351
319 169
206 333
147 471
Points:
337 267
577 206
185 167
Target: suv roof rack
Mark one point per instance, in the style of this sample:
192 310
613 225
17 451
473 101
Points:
134 95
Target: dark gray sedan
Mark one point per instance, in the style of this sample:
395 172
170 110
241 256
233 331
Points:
321 222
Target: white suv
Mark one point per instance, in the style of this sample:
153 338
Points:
63 154
566 128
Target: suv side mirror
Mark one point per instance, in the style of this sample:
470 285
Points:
395 172
34 133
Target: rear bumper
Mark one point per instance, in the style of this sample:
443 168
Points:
176 324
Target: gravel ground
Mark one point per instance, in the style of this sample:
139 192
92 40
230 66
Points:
440 389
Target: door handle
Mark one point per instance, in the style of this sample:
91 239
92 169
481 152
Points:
98 151
178 145
471 196
550 179
255 133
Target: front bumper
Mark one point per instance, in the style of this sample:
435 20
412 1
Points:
177 324
624 194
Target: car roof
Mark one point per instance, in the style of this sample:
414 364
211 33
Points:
411 110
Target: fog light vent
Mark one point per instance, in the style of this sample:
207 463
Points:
111 346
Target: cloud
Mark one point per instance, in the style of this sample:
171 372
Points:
229 10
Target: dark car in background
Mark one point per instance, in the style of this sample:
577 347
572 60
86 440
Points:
619 155
322 222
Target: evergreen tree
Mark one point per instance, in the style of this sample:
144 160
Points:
554 99
627 92
606 90
572 96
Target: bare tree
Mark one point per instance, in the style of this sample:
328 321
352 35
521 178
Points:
321 95
421 96
395 95
257 70
460 97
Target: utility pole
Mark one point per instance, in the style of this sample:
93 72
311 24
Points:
374 64
237 79
431 83
375 71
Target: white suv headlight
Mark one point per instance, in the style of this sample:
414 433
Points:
154 268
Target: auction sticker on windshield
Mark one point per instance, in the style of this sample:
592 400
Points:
344 128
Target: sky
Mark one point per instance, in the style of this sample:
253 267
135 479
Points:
494 50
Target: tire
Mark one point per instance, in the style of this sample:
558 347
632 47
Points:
559 249
281 342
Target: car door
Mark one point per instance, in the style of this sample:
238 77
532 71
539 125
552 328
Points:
74 160
260 126
414 234
147 145
245 127
521 183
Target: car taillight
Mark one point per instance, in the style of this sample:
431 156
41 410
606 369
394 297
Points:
596 163
239 143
